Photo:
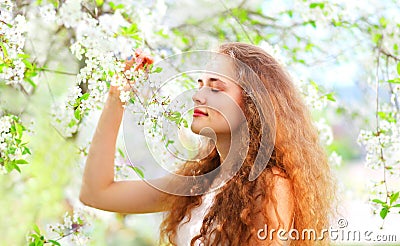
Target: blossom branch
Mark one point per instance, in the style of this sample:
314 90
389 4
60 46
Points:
396 103
55 71
378 131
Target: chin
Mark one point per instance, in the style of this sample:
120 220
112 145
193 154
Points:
194 129
206 131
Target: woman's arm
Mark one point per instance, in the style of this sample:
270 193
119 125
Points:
98 187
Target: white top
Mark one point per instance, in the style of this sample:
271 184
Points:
187 231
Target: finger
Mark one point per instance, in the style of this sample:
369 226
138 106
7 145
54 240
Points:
148 60
139 60
129 63
138 52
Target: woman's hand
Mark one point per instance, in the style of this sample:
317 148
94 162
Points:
140 61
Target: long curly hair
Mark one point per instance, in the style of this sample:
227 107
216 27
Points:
296 152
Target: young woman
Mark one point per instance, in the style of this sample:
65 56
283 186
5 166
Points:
292 193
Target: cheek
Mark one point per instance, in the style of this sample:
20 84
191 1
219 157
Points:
229 110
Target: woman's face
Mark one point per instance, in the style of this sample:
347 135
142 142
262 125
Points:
218 102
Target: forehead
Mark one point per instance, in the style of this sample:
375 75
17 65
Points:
221 67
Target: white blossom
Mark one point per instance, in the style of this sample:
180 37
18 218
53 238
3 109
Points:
273 51
334 159
67 221
13 39
325 132
48 13
3 170
124 96
70 13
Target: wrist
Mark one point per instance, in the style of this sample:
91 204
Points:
113 97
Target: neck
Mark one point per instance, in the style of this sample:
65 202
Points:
223 145
227 152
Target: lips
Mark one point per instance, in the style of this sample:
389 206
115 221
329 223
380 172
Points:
198 112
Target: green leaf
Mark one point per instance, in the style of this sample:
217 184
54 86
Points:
115 7
383 22
336 23
315 85
162 34
330 97
16 167
21 161
27 64
121 152
185 123
394 197
99 3
12 129
77 114
240 13
398 68
26 151
72 123
309 47
36 229
169 142
159 69
378 201
394 81
18 128
376 38
54 242
3 48
174 117
8 166
85 96
396 206
23 56
40 243
384 212
314 5
2 65
138 171
30 81
387 116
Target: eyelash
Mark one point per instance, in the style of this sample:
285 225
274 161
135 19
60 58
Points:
213 90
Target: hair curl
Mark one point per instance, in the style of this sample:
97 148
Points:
297 153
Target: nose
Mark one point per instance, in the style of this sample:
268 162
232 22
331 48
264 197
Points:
198 97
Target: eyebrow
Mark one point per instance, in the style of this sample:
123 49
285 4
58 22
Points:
212 79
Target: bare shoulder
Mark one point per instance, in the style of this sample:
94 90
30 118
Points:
279 200
278 206
281 183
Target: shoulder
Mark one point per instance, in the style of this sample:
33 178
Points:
276 208
280 182
279 199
